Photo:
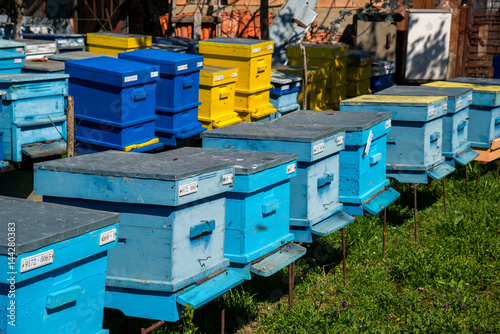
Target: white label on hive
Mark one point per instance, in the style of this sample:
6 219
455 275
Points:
445 106
182 67
37 261
130 78
107 237
199 64
80 40
285 87
369 143
298 84
256 50
340 140
227 179
431 112
17 60
154 74
219 78
234 75
290 169
269 47
388 124
459 103
318 148
470 97
188 189
19 49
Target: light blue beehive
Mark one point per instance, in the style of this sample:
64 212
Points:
285 93
11 62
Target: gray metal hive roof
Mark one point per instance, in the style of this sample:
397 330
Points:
450 92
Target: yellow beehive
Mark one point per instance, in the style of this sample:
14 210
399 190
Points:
255 114
337 94
110 43
252 58
217 95
355 73
356 88
251 101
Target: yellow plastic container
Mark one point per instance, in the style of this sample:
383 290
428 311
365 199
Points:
252 57
330 56
110 43
217 94
356 88
356 73
337 94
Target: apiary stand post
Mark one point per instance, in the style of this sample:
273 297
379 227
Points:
414 187
70 127
479 173
304 75
343 255
467 178
383 238
291 283
153 327
444 195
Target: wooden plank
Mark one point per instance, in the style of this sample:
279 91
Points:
197 26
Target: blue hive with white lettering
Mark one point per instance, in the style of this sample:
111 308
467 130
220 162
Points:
257 237
285 93
11 62
176 95
114 104
172 207
363 182
32 117
58 265
456 145
414 144
315 209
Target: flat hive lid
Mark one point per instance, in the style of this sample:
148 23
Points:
41 224
11 55
282 78
30 77
216 75
236 47
6 44
53 36
228 40
169 166
274 131
450 92
46 66
479 88
351 121
75 55
477 81
393 100
169 62
246 162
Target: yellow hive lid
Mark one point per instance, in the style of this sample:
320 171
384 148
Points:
216 75
236 47
476 88
118 40
313 73
395 100
328 51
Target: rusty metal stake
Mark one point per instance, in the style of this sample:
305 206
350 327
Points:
223 315
478 173
414 187
444 195
153 327
383 239
467 178
291 283
343 255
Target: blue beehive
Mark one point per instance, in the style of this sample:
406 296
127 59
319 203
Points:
172 210
315 209
11 62
257 236
33 113
11 46
456 146
121 113
414 144
285 93
363 182
382 71
177 93
59 266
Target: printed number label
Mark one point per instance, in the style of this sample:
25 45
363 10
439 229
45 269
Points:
459 103
17 60
256 50
182 67
285 87
154 74
318 148
470 97
219 78
431 112
234 75
388 124
37 261
199 64
290 169
269 47
369 143
19 49
227 179
445 106
187 189
107 237
130 78
340 140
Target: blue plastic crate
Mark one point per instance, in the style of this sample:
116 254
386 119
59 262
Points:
456 145
363 182
179 136
172 209
123 92
11 46
414 144
59 269
315 209
11 60
179 83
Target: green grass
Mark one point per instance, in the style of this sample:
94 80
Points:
446 282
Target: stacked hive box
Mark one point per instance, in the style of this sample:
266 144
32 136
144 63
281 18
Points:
484 114
11 56
359 72
32 114
316 90
253 60
382 72
258 241
37 48
11 46
333 58
414 146
176 94
217 94
285 93
114 104
363 182
315 209
64 42
456 145
49 66
112 43
172 207
58 266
